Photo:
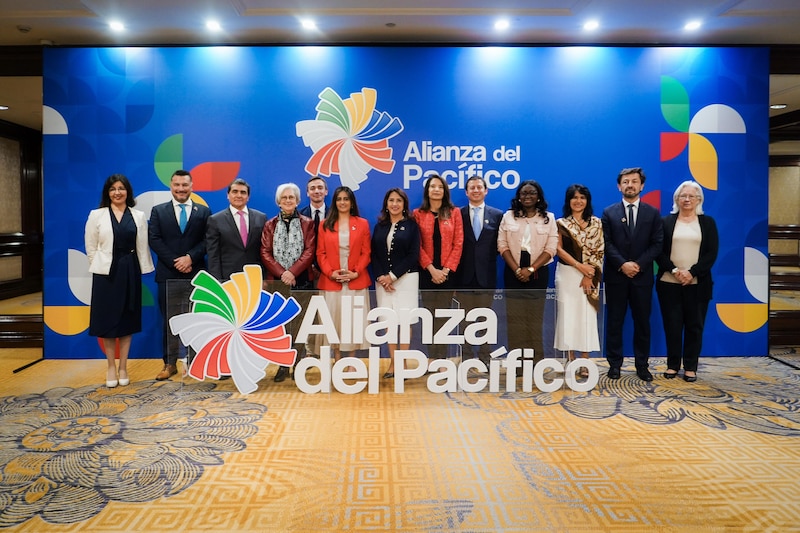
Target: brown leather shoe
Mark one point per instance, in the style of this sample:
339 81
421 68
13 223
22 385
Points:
167 372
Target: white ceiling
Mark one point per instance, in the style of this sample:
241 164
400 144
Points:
182 22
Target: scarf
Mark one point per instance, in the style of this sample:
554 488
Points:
575 243
288 242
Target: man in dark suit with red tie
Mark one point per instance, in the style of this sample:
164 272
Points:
634 235
177 236
477 272
233 237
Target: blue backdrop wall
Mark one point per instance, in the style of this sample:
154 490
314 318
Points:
379 117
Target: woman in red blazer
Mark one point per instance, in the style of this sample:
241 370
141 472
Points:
441 241
343 253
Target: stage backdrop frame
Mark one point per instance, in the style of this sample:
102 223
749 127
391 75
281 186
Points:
376 117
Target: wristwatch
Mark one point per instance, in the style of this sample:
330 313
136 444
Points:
531 269
674 271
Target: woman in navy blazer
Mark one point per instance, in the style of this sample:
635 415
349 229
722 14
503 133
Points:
343 255
684 282
116 245
395 259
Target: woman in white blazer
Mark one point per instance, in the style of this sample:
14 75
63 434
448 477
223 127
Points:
116 244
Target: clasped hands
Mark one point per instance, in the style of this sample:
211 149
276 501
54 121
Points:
385 281
343 275
183 264
684 276
438 276
630 268
588 277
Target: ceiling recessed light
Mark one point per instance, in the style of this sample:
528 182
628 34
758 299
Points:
309 24
501 24
778 106
591 25
693 25
3 107
116 25
213 25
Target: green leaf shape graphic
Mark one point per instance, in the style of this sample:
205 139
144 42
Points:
169 156
675 103
209 297
331 108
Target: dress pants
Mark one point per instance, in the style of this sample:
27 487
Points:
618 297
684 316
469 298
173 299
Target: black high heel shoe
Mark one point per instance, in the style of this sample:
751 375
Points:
690 379
670 375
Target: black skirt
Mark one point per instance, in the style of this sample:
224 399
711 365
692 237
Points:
116 309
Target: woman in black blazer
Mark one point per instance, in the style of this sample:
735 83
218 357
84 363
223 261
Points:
684 282
395 259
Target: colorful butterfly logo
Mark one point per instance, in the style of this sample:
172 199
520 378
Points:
349 137
236 328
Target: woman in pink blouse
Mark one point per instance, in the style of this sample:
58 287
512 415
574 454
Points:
527 241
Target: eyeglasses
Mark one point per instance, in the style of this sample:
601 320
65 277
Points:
688 197
528 193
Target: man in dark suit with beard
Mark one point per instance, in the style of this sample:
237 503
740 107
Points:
634 234
233 237
177 236
477 271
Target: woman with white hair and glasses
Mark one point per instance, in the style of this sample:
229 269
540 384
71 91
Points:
684 279
288 246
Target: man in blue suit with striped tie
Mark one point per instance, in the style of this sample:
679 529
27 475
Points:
477 270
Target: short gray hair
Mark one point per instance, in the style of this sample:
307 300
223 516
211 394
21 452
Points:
282 187
698 190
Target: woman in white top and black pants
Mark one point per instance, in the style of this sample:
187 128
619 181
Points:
684 282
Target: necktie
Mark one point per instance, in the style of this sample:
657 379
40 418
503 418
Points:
182 217
242 227
316 218
631 223
476 222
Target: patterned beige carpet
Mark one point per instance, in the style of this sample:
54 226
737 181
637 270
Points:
721 454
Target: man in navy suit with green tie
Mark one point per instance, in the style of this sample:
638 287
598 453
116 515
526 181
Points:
177 236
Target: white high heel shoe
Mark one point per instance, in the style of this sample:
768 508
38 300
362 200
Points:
111 383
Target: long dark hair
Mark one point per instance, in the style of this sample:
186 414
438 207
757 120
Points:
333 214
383 217
570 194
105 198
447 205
541 204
